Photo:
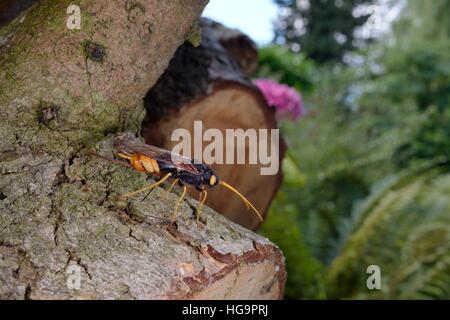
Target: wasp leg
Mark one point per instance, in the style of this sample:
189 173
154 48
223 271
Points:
174 216
151 190
172 185
146 196
167 176
201 201
166 191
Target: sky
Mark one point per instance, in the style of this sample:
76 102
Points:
253 17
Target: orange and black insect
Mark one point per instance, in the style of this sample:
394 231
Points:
167 165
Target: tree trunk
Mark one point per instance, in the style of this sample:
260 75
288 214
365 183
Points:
208 83
63 231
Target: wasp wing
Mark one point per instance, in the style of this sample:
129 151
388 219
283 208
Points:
128 144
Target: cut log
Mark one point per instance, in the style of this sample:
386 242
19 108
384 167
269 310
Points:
10 9
206 84
64 233
241 48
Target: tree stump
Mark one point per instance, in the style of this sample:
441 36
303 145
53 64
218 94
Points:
208 83
64 233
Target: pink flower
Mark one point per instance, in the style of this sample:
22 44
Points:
285 99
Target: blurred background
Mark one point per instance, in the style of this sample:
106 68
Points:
366 178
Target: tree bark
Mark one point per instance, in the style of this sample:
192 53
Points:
64 92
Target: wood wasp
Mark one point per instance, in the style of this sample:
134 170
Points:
166 165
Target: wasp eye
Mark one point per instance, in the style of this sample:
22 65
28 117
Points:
213 180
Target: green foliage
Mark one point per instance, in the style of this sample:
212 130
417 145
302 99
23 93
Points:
286 67
341 153
373 157
404 229
422 21
417 73
430 141
413 65
415 70
305 276
324 29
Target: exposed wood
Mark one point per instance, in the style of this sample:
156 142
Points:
206 83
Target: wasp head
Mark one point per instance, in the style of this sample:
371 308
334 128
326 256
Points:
209 178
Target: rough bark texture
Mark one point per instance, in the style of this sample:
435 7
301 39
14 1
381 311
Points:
207 83
63 92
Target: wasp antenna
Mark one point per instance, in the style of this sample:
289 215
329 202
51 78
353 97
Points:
244 199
